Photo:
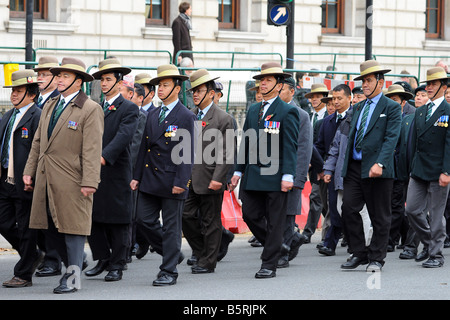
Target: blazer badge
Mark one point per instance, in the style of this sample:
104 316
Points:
24 133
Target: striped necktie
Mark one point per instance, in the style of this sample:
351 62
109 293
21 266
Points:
362 125
261 110
106 106
58 111
40 101
5 150
162 115
200 115
429 110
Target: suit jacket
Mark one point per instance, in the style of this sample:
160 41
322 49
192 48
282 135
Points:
65 162
156 170
326 134
181 38
404 153
408 109
380 139
22 141
213 159
432 144
263 165
120 126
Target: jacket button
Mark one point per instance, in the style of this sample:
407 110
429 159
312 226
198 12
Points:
148 150
156 169
146 165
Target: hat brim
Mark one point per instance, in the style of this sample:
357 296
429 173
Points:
24 84
156 80
262 75
86 76
199 84
443 78
124 70
310 94
406 95
383 71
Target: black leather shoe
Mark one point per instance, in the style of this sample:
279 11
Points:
265 273
354 262
327 251
407 254
227 238
422 255
199 270
99 268
374 266
165 279
283 262
114 275
141 251
63 287
192 261
47 271
284 249
432 263
297 242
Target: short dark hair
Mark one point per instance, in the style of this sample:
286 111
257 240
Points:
139 89
343 87
210 85
184 6
33 89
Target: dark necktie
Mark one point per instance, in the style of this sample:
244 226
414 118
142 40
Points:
429 110
199 115
5 150
261 110
362 125
106 106
162 116
40 101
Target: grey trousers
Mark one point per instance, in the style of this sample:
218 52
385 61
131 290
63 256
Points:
431 231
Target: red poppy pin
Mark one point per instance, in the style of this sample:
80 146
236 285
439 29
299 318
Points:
268 117
112 108
204 124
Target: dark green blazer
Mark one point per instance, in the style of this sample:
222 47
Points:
432 144
265 157
380 139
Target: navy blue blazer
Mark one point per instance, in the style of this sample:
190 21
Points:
157 170
23 137
327 132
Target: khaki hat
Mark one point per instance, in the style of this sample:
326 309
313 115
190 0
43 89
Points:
436 73
199 77
22 78
256 87
317 88
46 63
167 71
73 65
109 66
397 89
370 67
272 69
142 78
328 98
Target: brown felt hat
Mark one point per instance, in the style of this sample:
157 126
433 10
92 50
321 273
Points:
73 65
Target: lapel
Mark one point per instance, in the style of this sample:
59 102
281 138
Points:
209 117
422 124
26 117
62 121
159 129
116 104
270 112
379 108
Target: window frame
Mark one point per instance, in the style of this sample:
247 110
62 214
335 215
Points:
165 9
41 15
235 10
340 18
439 34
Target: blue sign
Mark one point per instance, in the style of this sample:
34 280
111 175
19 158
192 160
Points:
279 14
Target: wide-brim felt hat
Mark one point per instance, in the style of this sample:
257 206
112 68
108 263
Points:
370 67
436 73
327 98
397 89
109 66
23 78
255 87
272 69
142 78
167 71
199 77
74 65
317 88
46 63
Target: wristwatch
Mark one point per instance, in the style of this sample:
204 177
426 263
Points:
380 165
446 173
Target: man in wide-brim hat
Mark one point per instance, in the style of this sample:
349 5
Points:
144 79
17 129
369 165
64 190
48 86
397 93
264 188
430 169
162 183
202 224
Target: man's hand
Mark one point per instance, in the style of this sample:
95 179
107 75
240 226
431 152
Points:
444 180
177 190
327 178
134 184
286 186
28 182
320 176
87 191
215 185
376 171
234 182
103 161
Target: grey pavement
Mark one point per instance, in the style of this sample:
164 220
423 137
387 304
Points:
310 276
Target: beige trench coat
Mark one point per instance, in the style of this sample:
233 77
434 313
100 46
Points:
64 163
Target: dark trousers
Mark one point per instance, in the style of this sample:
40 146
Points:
318 204
166 238
334 231
109 241
14 221
265 215
202 226
376 193
399 222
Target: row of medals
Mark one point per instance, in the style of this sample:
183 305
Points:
442 122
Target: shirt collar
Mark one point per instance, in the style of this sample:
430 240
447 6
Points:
376 98
172 105
69 98
111 101
204 111
437 101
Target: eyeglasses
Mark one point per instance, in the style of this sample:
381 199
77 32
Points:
198 91
44 75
